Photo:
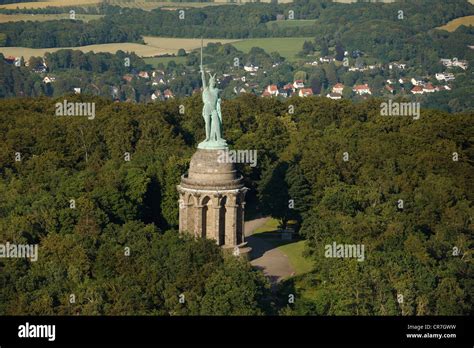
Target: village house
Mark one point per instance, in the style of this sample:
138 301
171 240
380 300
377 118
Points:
416 82
251 68
127 77
9 59
305 92
157 73
168 94
446 62
289 87
326 59
338 88
157 95
158 80
49 79
334 96
463 64
77 90
401 66
362 89
40 68
444 76
429 88
443 88
417 90
284 93
272 90
298 84
240 90
143 75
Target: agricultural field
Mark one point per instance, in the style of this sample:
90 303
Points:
44 17
153 46
151 5
146 5
51 3
172 45
287 47
455 23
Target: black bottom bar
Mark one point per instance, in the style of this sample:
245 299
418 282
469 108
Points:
292 331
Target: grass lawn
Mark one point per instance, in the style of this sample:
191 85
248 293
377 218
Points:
270 226
288 47
292 249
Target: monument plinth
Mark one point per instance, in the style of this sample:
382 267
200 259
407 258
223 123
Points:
212 193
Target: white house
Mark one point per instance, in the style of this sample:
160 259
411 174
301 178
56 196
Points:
416 82
272 90
362 89
305 92
251 68
429 88
326 59
463 64
143 75
156 95
298 84
338 88
444 76
48 79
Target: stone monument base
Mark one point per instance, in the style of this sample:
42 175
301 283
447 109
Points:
212 201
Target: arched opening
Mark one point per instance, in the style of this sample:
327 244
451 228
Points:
206 218
222 213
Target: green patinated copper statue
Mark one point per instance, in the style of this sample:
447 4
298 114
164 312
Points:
211 112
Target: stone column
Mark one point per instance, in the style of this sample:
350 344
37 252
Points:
216 199
243 222
183 211
198 220
216 223
231 221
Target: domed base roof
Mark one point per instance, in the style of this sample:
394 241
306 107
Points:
210 169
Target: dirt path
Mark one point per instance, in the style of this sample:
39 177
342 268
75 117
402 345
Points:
274 263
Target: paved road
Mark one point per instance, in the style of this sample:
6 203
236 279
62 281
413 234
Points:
274 263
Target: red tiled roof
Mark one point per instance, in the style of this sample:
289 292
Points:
361 87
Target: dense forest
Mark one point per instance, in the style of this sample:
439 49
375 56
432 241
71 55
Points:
345 166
